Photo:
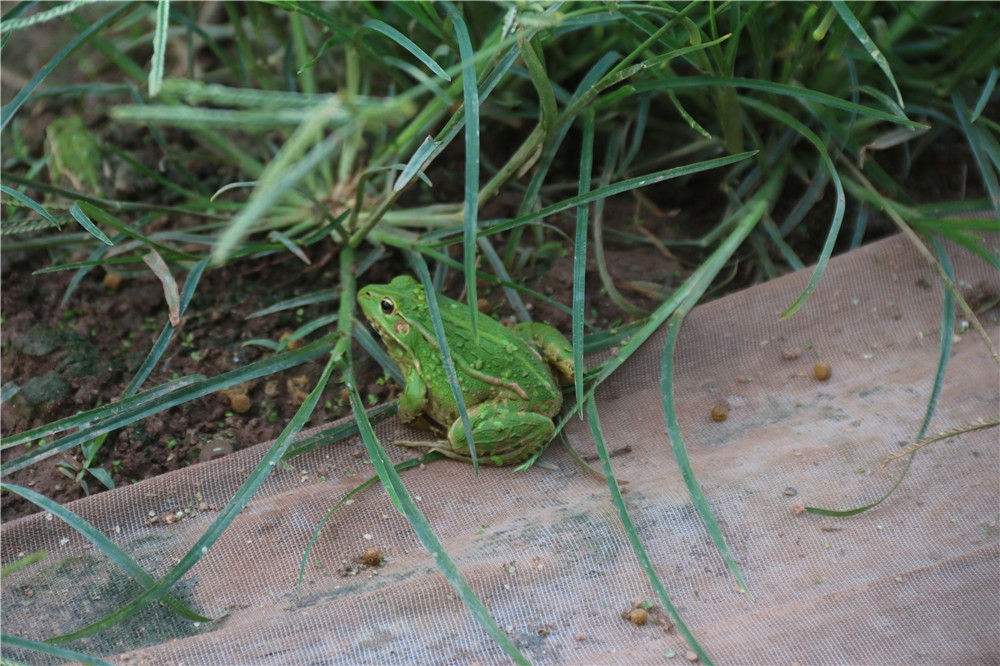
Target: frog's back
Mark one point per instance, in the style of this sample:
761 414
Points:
501 364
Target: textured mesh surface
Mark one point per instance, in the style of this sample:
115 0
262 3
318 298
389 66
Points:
916 580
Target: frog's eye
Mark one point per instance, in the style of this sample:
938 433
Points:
388 307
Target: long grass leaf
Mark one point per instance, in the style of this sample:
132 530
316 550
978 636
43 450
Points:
944 355
105 545
633 536
160 346
406 43
443 347
802 94
839 206
394 486
615 188
701 504
471 198
986 94
12 24
19 643
232 509
30 203
580 254
852 23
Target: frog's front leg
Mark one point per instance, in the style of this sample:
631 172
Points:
414 398
504 435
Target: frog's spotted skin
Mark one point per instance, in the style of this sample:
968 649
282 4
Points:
506 377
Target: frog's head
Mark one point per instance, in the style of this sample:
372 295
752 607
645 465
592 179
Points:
391 308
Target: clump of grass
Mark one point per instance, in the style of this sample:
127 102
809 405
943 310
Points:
334 116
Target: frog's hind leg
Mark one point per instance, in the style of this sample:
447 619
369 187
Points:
442 446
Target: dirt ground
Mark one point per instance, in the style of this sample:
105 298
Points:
74 357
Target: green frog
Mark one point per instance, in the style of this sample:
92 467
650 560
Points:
510 379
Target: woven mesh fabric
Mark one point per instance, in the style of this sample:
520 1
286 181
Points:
915 580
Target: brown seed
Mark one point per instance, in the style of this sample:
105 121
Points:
638 616
240 402
113 280
791 353
372 557
822 371
720 413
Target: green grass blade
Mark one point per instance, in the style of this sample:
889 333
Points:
30 203
580 255
801 94
449 365
399 467
979 143
470 95
852 23
616 188
7 640
841 200
10 109
77 212
944 355
633 536
167 334
986 94
701 504
159 47
394 486
242 497
406 43
105 545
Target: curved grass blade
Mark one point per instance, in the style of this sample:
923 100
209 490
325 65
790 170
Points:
442 340
615 188
580 255
406 43
62 653
680 451
399 467
985 95
83 418
242 497
8 111
944 355
470 95
637 547
30 203
160 346
841 201
105 545
87 224
852 23
801 94
394 486
980 144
